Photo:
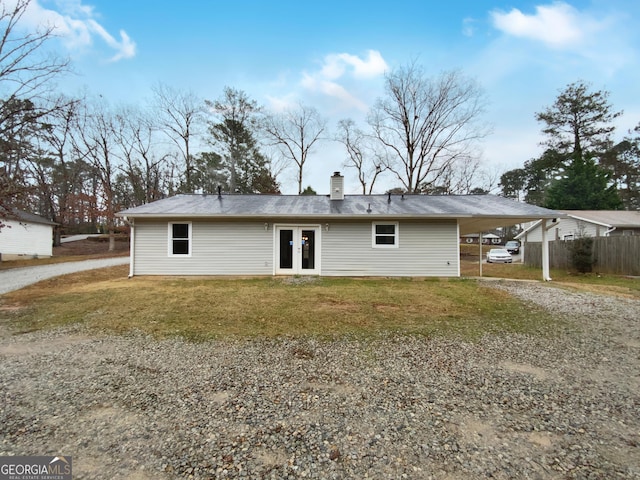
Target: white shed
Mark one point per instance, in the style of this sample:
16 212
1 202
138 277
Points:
25 235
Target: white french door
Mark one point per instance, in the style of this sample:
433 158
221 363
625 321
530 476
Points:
297 250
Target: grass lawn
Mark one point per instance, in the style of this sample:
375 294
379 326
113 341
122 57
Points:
205 308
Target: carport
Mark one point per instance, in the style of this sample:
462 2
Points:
530 213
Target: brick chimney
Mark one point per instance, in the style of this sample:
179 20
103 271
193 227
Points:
337 187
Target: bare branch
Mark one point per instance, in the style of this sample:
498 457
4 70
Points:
295 132
427 124
25 69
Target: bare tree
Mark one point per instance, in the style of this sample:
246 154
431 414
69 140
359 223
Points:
180 114
135 134
294 132
362 154
96 143
59 175
25 72
25 69
427 125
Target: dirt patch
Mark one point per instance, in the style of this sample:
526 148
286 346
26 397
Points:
473 431
541 439
613 290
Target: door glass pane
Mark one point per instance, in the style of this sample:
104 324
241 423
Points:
308 247
286 248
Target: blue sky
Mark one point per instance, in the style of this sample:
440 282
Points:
332 55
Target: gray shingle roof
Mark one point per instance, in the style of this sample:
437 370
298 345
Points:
475 212
21 216
613 218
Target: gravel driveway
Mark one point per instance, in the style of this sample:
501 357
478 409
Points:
566 405
16 278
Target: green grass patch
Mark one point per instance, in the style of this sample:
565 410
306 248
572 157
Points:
202 309
595 282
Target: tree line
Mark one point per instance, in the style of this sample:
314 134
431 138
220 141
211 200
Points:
581 167
77 161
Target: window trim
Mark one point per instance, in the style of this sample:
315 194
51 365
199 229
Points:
170 240
396 235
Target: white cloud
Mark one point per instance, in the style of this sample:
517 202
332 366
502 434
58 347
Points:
558 25
335 65
332 89
76 25
588 43
124 49
282 104
340 69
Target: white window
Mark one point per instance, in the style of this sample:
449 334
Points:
180 239
568 238
385 235
627 233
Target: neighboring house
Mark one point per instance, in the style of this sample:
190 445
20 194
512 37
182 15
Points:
591 223
25 235
332 235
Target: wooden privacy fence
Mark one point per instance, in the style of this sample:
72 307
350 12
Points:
618 255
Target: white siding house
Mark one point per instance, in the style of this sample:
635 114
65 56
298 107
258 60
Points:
25 235
332 235
580 223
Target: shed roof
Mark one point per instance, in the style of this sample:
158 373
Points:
611 218
475 213
22 216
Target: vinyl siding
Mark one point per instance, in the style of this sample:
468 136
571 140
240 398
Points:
566 226
227 248
425 249
25 239
246 248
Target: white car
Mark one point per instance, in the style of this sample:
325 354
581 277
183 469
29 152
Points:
499 255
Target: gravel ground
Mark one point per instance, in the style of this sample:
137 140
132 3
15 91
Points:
566 405
16 278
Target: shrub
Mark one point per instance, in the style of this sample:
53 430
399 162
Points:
581 250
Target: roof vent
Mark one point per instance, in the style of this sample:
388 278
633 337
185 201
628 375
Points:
337 187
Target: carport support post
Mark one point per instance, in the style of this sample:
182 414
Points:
480 243
545 252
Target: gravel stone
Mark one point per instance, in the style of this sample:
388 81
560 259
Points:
565 404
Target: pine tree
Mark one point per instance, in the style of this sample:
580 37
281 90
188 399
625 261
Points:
584 186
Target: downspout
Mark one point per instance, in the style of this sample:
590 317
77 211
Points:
606 234
132 237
